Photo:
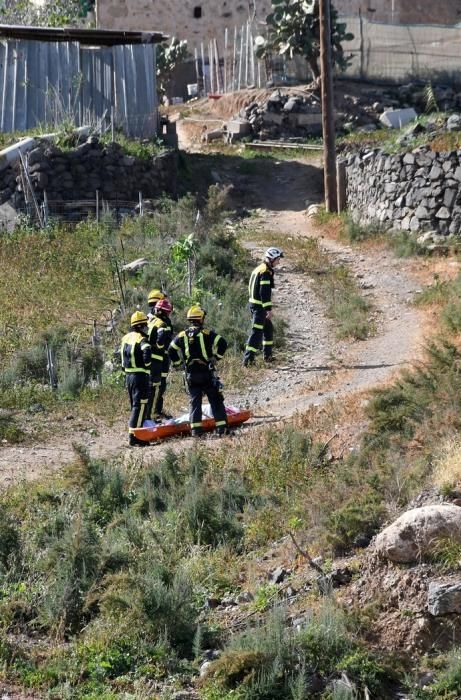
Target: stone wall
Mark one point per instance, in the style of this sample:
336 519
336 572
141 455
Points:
417 191
77 174
180 17
194 20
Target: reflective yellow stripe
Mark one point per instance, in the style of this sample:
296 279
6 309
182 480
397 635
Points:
218 355
141 413
268 303
135 370
248 347
258 325
220 422
164 374
196 425
173 345
265 282
268 342
157 357
215 344
202 346
255 301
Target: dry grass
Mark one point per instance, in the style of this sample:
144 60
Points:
447 470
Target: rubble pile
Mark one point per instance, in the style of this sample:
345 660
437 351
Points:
287 114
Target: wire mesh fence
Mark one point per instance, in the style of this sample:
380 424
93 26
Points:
397 52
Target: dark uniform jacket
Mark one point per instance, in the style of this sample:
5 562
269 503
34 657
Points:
135 352
196 347
260 287
160 330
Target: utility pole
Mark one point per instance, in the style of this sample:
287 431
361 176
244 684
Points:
328 116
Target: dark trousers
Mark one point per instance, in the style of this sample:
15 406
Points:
158 376
137 384
198 384
262 334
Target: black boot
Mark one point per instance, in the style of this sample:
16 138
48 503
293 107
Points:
135 442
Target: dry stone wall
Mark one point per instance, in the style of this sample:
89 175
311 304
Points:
417 191
76 174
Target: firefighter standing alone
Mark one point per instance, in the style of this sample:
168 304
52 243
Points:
260 303
135 353
197 348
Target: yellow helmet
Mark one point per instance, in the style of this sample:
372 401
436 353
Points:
196 313
138 319
155 295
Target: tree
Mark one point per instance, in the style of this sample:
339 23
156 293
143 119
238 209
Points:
294 29
51 13
168 57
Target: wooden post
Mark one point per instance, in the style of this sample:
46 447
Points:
210 62
239 83
234 59
216 57
247 41
226 40
202 54
141 204
197 72
328 118
97 206
341 180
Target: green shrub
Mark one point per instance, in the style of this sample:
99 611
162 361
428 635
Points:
355 522
10 541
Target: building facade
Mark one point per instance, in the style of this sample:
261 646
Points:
202 20
195 20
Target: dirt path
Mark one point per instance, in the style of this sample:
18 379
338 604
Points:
318 367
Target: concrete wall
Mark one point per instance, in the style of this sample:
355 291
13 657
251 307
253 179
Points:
177 17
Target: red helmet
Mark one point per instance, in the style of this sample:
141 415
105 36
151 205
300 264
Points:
164 305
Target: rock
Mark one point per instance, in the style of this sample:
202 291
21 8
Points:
135 265
396 118
245 597
417 531
278 575
212 603
454 122
443 213
444 598
204 668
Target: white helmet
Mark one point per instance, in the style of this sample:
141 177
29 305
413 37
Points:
273 254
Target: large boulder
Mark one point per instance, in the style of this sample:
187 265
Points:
418 531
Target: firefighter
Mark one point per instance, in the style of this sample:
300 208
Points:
160 331
136 361
197 348
260 302
153 297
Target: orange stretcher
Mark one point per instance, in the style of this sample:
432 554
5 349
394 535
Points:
173 428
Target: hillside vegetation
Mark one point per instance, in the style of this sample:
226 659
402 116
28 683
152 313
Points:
122 578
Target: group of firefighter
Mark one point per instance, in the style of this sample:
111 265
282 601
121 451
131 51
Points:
149 348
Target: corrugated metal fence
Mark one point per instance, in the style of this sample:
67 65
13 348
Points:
46 83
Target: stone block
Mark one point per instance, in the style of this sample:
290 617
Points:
436 172
396 118
273 118
449 198
443 213
239 127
